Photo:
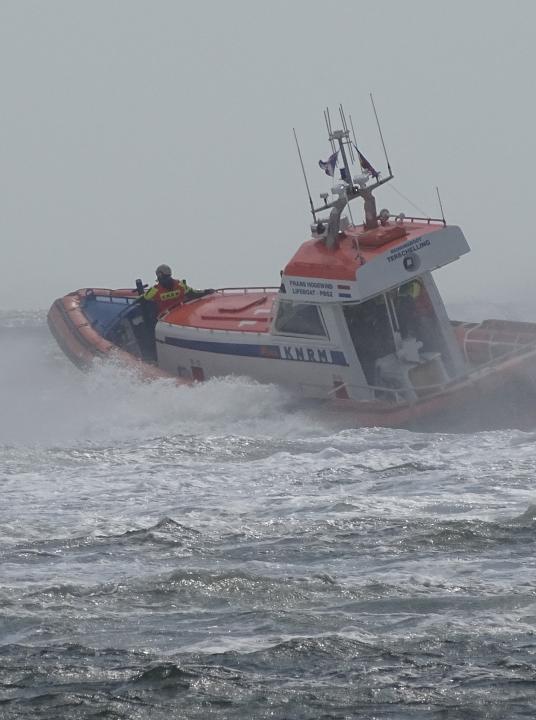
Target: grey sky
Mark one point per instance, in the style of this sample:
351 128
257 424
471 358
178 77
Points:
139 132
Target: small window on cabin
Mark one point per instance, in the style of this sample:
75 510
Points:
299 319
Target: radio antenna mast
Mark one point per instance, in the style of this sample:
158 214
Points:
353 131
345 128
328 126
304 175
381 135
441 207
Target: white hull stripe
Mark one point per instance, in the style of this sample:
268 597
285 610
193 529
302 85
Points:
297 353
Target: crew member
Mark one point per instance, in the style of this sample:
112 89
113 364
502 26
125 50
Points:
416 313
167 292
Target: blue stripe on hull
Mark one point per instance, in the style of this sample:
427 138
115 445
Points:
270 352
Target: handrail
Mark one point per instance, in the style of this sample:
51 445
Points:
410 219
245 290
515 344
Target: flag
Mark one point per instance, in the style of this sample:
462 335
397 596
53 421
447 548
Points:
329 166
365 165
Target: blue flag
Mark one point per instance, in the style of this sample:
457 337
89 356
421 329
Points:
329 165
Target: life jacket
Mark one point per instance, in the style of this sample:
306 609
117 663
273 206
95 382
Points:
165 298
414 289
411 289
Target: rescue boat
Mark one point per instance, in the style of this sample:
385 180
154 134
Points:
356 323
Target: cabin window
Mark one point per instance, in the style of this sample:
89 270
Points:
299 319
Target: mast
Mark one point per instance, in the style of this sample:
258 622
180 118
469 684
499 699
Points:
304 176
381 134
350 188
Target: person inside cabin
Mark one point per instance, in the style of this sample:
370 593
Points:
416 313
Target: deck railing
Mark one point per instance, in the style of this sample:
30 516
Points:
493 341
246 290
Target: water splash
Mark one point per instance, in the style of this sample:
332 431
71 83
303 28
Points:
49 402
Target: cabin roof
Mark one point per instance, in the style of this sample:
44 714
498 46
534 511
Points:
243 309
355 246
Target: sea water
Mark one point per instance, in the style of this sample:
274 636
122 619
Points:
220 551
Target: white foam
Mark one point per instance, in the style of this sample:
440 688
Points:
47 401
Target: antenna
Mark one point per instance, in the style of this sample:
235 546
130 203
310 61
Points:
353 131
345 128
441 207
328 125
381 135
304 175
340 139
340 136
